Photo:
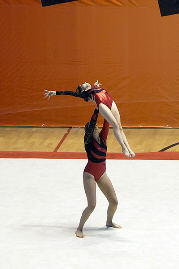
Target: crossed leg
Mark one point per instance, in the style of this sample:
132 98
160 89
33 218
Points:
116 114
113 117
107 189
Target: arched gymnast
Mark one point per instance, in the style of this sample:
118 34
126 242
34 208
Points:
107 108
95 172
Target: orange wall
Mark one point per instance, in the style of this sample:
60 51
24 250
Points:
132 51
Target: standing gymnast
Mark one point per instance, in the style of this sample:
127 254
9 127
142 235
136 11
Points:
95 172
107 108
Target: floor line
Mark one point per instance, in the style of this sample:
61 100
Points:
82 155
62 140
171 146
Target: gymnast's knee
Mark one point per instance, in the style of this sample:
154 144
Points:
114 202
115 125
91 207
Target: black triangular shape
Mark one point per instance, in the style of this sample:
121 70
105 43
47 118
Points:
168 7
54 2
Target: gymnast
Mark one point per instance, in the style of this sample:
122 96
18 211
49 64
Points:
107 108
95 172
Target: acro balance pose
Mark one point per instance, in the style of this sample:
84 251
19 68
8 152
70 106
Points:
95 172
107 108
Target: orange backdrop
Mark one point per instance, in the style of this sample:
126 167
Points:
130 49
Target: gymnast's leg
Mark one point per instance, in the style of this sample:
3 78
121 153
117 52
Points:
108 115
116 114
107 189
90 190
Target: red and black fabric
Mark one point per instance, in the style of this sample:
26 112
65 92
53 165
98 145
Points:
96 153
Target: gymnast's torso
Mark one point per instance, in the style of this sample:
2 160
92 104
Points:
100 96
96 153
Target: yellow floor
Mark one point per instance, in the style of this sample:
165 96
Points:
47 139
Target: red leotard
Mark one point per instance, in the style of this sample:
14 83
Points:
96 152
101 96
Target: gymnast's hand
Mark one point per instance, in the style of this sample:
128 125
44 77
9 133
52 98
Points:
92 98
49 93
97 84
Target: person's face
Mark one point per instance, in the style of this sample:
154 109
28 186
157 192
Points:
86 86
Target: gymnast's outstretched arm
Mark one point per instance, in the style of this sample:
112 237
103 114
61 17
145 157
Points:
83 95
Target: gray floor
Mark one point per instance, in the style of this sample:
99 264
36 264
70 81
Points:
41 202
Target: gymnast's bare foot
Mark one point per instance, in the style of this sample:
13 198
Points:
131 152
126 153
113 225
79 234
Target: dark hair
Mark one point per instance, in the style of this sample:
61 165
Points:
87 128
80 89
88 133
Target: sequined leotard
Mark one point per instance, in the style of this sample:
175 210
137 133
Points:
96 152
99 95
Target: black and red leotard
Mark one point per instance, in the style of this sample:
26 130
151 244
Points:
98 94
96 152
101 96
